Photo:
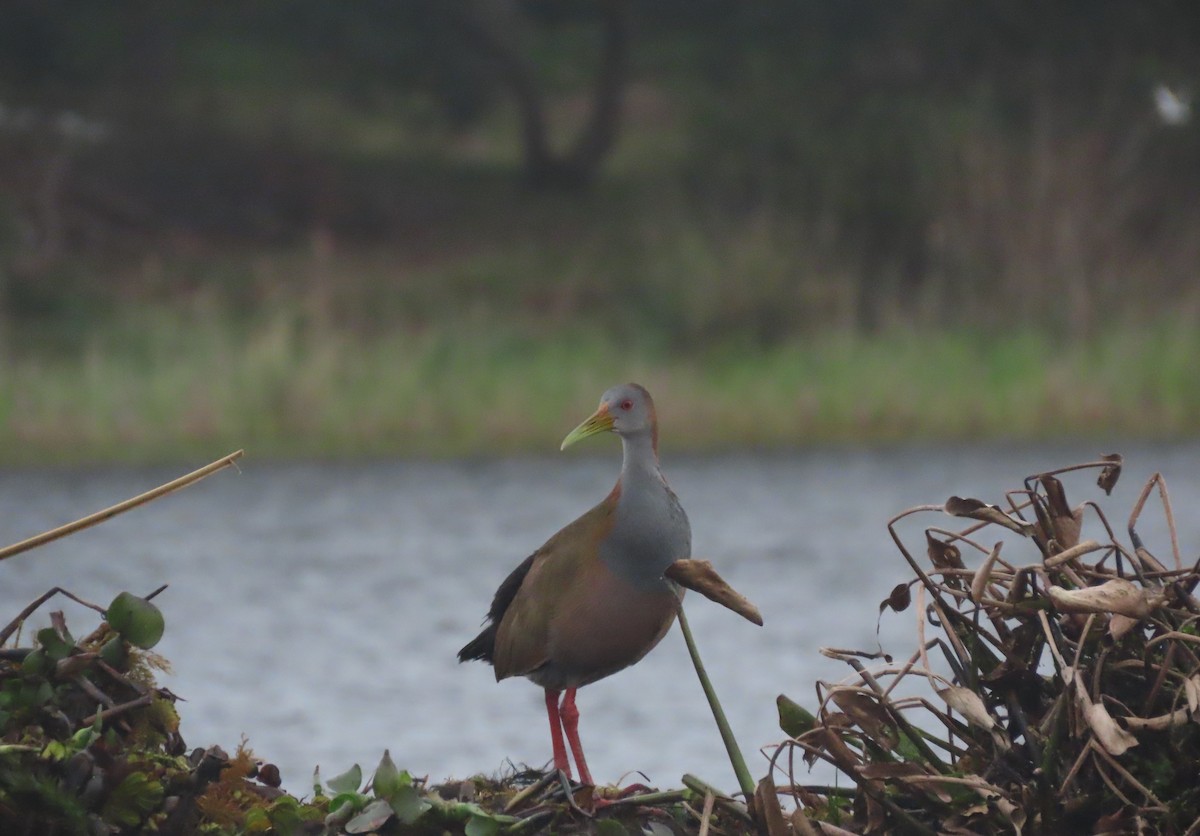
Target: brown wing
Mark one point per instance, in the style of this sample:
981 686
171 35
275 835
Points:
522 632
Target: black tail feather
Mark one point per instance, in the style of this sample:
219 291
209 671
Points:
480 647
483 646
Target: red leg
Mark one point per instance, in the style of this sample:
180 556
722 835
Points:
570 721
556 730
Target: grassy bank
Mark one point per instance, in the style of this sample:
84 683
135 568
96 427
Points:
159 384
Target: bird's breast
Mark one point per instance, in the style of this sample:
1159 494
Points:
604 624
649 532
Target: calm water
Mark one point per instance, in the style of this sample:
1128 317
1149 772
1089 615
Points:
317 608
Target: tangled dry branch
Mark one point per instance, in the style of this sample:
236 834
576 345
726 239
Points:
1052 691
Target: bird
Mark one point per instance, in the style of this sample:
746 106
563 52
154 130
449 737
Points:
593 600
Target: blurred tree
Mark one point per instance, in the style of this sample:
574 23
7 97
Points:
495 28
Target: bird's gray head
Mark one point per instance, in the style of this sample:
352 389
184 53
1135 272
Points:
627 410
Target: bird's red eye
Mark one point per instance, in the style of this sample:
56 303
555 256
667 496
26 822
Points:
627 405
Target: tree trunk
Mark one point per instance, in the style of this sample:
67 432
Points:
576 168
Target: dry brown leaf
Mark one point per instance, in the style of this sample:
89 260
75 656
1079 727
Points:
1121 821
1163 721
767 812
899 599
1015 815
1115 740
957 506
699 576
1110 474
801 824
967 703
1114 596
867 714
886 769
1064 523
836 748
943 555
1119 625
983 574
1191 690
1076 551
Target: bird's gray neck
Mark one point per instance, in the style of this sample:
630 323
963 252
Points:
639 465
650 530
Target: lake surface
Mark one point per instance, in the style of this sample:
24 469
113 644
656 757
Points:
317 608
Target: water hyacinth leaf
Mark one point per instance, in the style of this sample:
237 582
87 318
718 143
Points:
133 799
284 815
482 826
969 704
348 781
373 817
388 779
957 506
341 809
115 653
609 827
348 802
898 599
408 804
137 620
1113 596
463 811
1110 473
257 820
37 663
794 718
53 645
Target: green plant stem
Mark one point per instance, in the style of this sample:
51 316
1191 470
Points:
731 745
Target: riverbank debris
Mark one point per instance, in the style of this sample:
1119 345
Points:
1054 687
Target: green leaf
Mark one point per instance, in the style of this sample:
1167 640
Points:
256 821
53 644
137 620
55 750
285 815
133 799
373 817
37 663
409 804
463 811
388 779
352 800
485 826
794 719
609 827
348 781
115 653
84 737
908 750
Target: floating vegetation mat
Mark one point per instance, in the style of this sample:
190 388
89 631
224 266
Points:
1054 686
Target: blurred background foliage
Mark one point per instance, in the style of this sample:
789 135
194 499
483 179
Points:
187 187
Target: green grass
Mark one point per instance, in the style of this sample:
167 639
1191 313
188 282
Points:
155 383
